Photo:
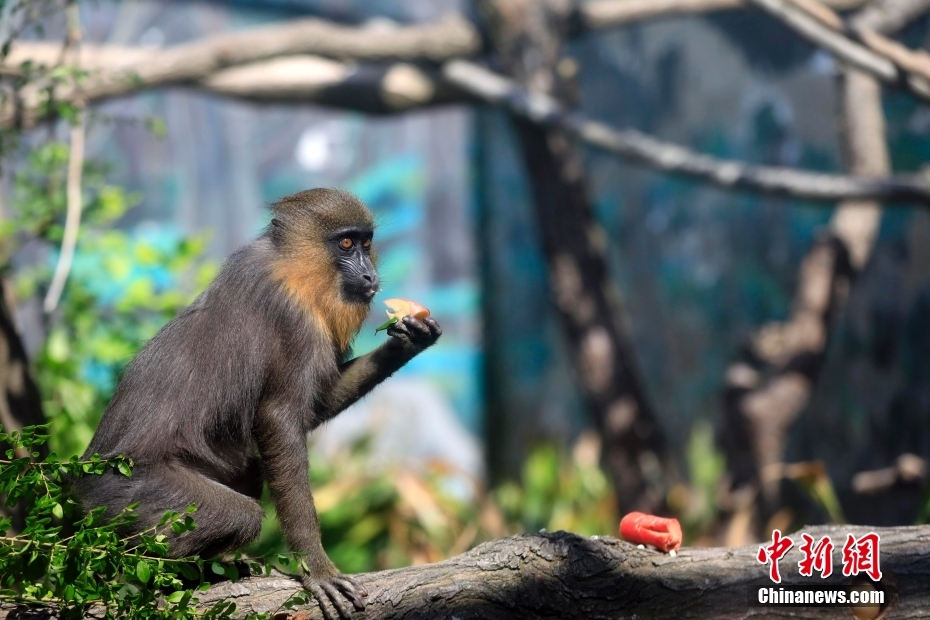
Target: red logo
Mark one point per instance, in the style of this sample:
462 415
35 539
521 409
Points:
774 552
816 557
861 556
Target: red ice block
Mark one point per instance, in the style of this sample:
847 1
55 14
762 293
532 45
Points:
642 529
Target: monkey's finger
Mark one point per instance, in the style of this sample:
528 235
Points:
353 590
321 597
399 329
417 328
336 598
433 326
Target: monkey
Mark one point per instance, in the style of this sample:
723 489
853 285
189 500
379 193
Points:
220 401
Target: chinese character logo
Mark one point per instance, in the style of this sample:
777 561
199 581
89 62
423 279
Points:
817 557
861 556
771 554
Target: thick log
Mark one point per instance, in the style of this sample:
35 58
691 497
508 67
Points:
563 575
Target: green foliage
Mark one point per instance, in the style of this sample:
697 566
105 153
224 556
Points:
93 566
370 521
696 504
122 289
561 492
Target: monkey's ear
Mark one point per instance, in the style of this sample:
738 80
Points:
277 231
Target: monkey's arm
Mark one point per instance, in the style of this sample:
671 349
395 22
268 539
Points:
406 339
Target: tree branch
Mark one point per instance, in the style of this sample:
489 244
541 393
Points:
72 218
75 174
889 16
563 575
602 14
673 159
387 88
113 73
883 58
369 88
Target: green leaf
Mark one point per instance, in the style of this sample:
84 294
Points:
57 511
387 324
124 468
217 568
143 571
175 597
189 572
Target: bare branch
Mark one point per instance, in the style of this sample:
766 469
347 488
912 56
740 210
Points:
72 220
889 16
856 223
116 70
887 60
75 172
602 14
908 469
373 89
113 74
402 86
671 158
451 37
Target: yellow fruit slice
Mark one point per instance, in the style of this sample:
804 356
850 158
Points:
399 308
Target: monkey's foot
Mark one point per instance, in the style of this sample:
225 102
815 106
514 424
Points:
336 589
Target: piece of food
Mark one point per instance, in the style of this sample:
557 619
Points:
399 308
642 529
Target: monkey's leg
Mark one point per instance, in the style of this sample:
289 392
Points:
283 446
226 520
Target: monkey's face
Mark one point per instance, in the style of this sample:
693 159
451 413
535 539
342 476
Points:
354 256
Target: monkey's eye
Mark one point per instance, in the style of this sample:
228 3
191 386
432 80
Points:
346 243
366 243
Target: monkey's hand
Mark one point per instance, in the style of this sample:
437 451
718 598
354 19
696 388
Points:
330 585
413 335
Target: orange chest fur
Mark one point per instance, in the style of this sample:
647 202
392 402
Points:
314 288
